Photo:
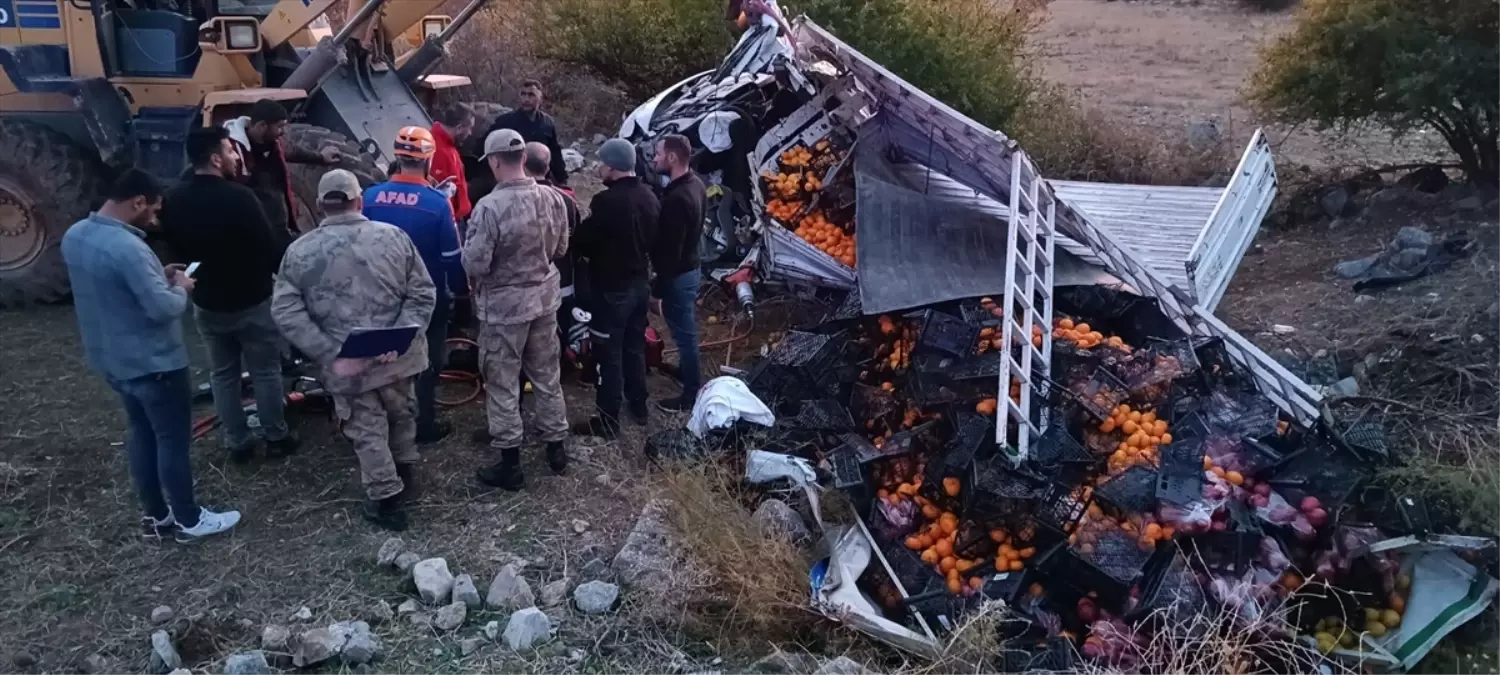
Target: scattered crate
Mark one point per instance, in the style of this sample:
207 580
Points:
844 464
1179 478
1100 395
1056 446
1232 551
944 333
1132 491
821 415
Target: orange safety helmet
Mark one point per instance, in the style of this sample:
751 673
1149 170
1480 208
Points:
415 142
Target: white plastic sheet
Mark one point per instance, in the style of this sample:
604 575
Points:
723 401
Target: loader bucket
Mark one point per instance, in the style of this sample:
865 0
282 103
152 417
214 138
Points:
368 106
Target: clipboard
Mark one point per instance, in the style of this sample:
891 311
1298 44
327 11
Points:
368 343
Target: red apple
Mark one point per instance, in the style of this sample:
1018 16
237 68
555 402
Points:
1309 503
1316 517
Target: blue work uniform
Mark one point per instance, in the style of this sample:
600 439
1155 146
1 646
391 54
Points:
426 216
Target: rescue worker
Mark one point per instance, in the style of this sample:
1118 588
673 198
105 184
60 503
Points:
259 139
515 232
535 126
410 202
452 127
351 272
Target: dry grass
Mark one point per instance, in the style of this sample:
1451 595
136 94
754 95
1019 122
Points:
1072 141
739 585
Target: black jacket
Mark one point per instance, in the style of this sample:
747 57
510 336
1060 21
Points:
679 229
536 127
219 223
618 235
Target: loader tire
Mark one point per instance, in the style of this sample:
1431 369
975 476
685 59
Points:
47 183
309 138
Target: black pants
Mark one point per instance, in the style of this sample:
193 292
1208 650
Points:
619 341
437 337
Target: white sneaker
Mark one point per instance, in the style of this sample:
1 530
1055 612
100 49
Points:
209 524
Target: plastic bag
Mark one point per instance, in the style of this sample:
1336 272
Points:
723 401
1277 511
1195 517
1240 595
893 523
1271 557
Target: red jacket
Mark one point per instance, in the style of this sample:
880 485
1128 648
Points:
447 162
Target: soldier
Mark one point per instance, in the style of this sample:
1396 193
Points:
515 232
352 272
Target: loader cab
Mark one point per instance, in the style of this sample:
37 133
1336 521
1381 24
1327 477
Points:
159 38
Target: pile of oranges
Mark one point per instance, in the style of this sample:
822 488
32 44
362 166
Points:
827 237
1096 526
1084 336
1142 436
990 340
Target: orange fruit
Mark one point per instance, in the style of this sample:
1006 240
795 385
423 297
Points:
1234 478
948 564
930 556
914 543
944 548
955 586
1016 565
951 486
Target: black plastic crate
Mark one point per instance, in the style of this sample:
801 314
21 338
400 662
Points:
1056 446
843 463
1131 491
1002 497
1169 591
971 433
1108 573
1247 414
944 333
673 444
1320 469
1100 395
852 307
861 448
1052 655
801 366
1217 370
975 312
984 366
1366 437
872 404
821 415
1179 478
1061 506
1160 362
1232 551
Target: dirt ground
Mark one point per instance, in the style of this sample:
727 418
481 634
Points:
82 581
1166 65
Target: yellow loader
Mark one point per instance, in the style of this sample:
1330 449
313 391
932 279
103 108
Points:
89 87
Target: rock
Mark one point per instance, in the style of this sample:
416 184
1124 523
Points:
23 659
596 568
599 139
572 159
509 590
468 646
1470 203
465 592
602 479
1429 179
784 663
527 628
275 638
407 560
1343 388
408 606
316 646
245 623
1334 201
580 526
1362 299
420 620
842 665
359 645
164 656
650 550
389 551
595 597
247 663
492 630
777 518
1279 329
162 614
554 593
434 581
303 614
95 664
379 612
180 671
451 617
1203 134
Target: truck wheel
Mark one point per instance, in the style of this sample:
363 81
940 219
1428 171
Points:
47 183
309 138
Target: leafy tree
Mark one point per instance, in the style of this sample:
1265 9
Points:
1405 64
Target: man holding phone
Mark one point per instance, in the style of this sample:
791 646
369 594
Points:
352 273
220 226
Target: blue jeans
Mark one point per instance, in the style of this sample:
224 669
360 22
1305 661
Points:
437 354
159 410
679 298
247 339
619 330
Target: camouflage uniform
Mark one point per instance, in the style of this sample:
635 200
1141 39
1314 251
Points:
352 272
515 232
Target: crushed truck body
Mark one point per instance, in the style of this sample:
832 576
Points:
1026 397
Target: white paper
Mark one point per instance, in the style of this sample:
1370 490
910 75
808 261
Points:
723 401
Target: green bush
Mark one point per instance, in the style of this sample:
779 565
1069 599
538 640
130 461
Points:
968 54
645 45
1404 64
